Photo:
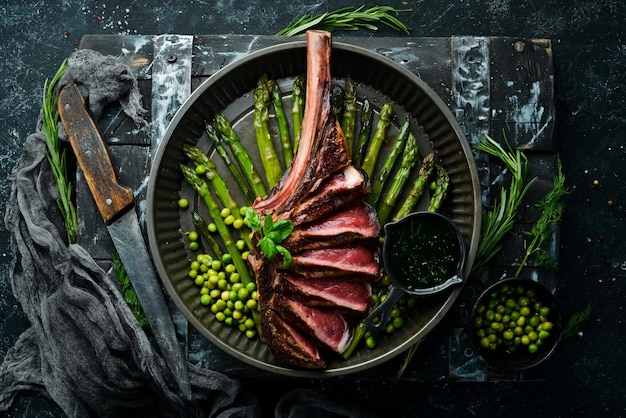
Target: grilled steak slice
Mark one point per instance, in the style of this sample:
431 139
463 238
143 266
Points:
345 187
354 223
358 261
345 296
329 328
288 344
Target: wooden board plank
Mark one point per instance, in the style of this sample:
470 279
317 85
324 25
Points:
523 93
171 80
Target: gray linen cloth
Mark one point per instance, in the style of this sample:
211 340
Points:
84 348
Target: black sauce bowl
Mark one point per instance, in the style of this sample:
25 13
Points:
440 228
520 359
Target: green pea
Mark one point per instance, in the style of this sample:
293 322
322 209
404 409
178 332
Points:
534 321
489 315
220 304
370 342
237 315
243 293
532 348
205 299
398 322
484 342
543 335
183 203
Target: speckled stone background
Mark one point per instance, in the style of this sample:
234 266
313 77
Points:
586 375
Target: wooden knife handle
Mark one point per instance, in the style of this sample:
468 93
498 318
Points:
92 155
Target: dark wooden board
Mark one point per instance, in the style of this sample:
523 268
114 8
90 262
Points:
491 84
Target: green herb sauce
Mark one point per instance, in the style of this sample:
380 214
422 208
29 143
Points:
423 255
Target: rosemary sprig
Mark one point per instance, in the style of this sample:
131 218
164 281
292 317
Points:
552 208
56 154
575 322
128 293
499 220
347 18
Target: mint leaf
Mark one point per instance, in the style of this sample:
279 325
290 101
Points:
253 220
286 255
268 225
268 247
281 230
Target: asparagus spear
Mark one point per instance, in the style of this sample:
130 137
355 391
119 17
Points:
364 132
377 141
202 188
241 155
202 227
348 120
418 187
283 125
219 146
390 161
441 190
196 155
409 159
269 157
297 110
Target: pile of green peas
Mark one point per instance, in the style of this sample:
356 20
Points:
512 318
397 316
231 301
221 290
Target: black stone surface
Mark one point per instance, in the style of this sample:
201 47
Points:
585 376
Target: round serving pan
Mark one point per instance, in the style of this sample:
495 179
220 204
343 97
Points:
230 91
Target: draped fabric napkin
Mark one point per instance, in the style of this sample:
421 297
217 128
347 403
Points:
84 348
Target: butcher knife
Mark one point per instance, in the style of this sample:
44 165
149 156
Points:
116 205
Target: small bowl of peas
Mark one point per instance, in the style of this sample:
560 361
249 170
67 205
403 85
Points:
515 324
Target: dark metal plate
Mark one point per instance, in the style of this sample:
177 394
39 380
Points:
230 91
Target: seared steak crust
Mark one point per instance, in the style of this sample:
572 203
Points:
310 308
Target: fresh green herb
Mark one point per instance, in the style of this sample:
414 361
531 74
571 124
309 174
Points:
128 293
56 154
272 234
499 220
348 18
575 322
552 208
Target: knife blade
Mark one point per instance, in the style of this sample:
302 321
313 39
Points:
116 205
